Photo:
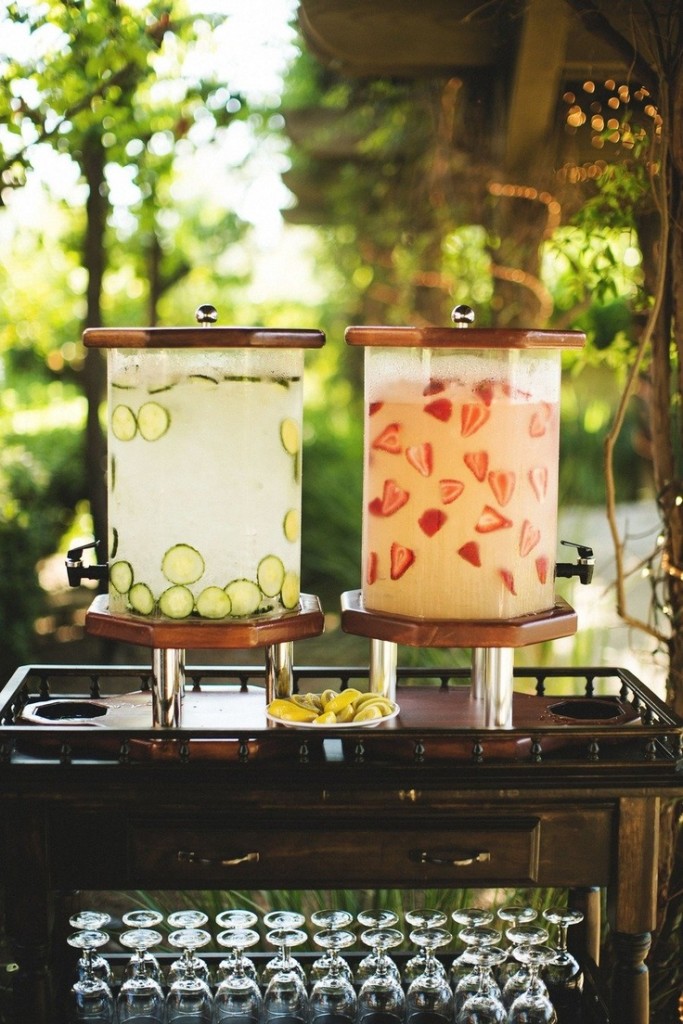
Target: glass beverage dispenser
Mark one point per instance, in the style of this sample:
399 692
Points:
460 490
204 490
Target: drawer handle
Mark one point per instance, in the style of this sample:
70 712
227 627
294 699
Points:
190 857
483 857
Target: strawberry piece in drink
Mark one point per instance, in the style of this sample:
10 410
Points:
374 407
470 552
484 391
538 478
393 498
440 409
528 539
490 520
502 483
389 440
371 572
420 458
434 387
542 569
450 490
401 560
431 521
477 463
473 416
509 580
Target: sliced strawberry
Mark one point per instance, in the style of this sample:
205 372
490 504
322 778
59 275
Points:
539 421
393 498
528 538
516 394
371 572
450 490
478 463
484 391
401 560
542 569
473 416
470 552
389 439
374 407
434 387
538 478
440 409
420 458
490 520
508 579
431 521
502 483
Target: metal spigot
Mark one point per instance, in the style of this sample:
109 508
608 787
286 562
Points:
206 315
77 572
462 315
583 567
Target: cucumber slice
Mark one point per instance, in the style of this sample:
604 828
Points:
245 597
124 426
291 525
213 603
270 575
114 545
289 435
121 576
176 602
204 379
153 421
289 595
182 564
141 599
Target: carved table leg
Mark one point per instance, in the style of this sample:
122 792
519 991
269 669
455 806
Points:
630 982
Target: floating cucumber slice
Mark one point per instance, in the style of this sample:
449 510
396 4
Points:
124 425
176 602
141 599
289 595
270 575
114 545
213 603
182 564
153 421
121 576
203 378
245 597
291 524
289 435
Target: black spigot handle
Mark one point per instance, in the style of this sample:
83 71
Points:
583 568
77 572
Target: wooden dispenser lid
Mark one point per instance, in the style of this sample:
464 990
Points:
206 335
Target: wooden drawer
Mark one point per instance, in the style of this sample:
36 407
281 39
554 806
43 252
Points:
472 852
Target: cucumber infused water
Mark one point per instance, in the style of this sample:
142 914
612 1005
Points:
204 481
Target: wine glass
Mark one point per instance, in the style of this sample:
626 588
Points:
143 920
236 920
95 963
468 974
92 997
189 998
512 915
381 995
429 997
563 975
533 1005
238 997
330 920
282 920
285 995
376 920
476 935
333 997
423 919
484 1006
140 996
189 939
517 982
467 917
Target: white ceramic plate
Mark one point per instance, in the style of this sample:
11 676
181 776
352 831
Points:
370 723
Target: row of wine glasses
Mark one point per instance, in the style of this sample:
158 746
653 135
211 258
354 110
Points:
484 983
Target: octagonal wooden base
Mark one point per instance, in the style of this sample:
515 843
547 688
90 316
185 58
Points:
556 622
202 634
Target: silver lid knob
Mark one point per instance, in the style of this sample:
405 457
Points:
462 316
206 315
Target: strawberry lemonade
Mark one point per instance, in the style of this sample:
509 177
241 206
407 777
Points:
460 483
